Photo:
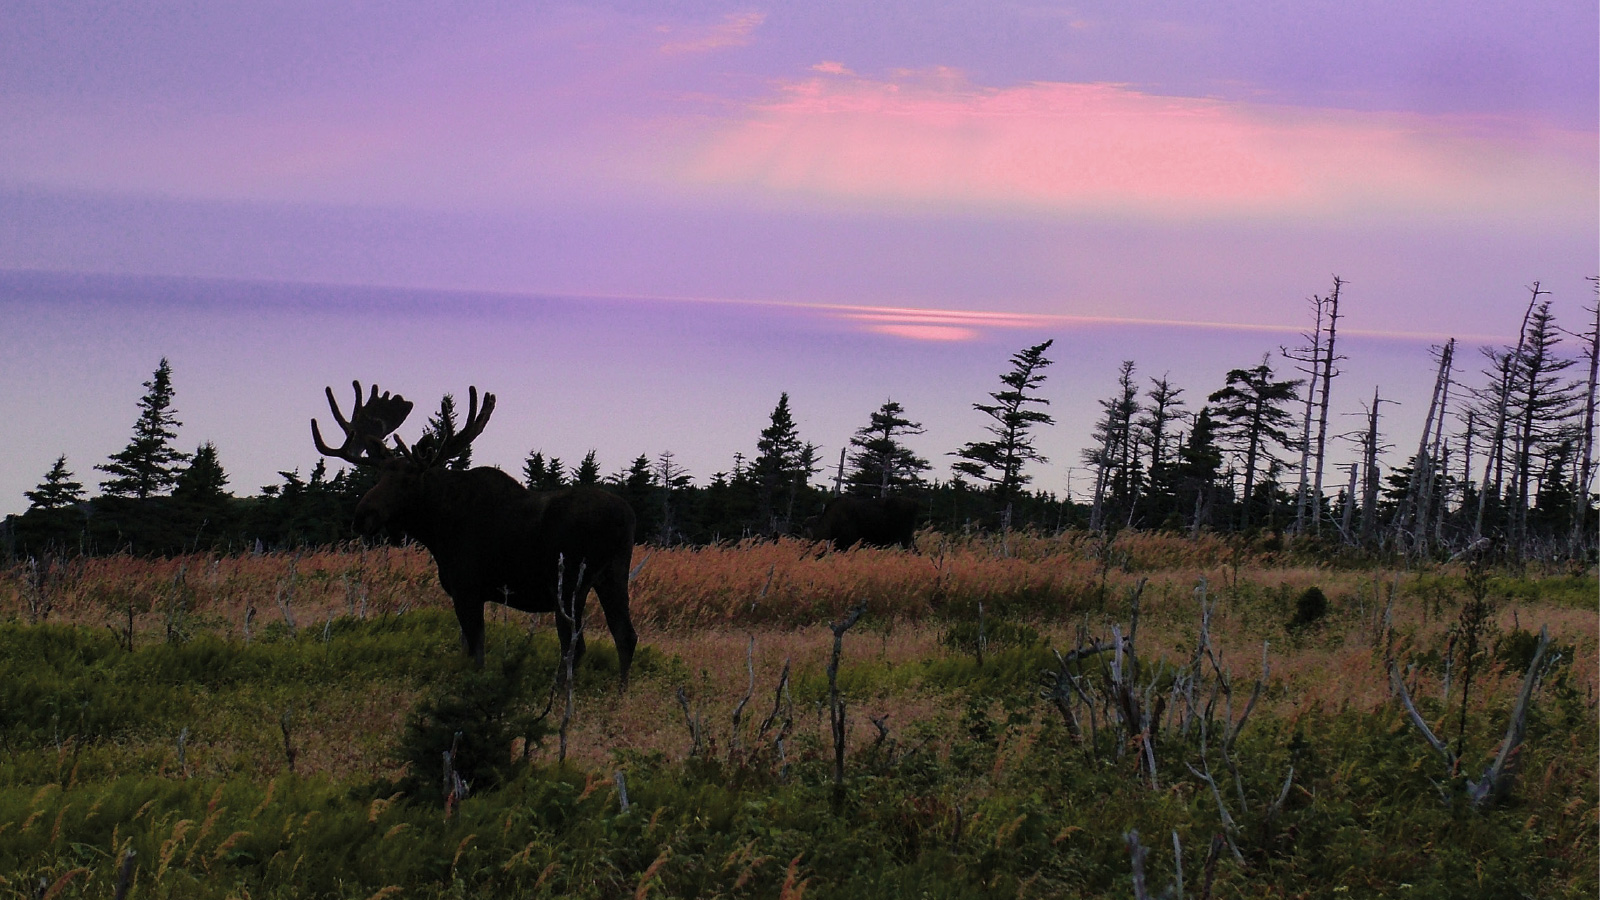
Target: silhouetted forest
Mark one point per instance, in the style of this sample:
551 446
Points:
1505 460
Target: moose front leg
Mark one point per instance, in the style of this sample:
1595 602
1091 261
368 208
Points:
469 615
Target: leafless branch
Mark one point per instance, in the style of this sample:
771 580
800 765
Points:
1494 778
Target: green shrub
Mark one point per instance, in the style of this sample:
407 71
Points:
477 713
1309 608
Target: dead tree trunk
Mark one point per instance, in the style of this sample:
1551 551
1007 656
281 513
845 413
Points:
1302 499
1328 372
1319 356
1432 507
1493 464
1580 511
1369 465
1410 520
1349 506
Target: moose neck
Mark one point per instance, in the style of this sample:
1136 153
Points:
451 507
434 517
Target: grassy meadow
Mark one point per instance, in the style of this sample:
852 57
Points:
274 726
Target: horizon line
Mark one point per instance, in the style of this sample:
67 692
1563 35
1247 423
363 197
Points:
906 315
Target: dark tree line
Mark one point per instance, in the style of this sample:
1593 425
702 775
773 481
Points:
1514 472
1517 474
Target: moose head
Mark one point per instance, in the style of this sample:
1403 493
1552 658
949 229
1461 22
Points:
400 468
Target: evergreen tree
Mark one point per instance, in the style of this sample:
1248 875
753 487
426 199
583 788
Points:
149 464
1199 465
1250 410
540 475
441 428
637 485
588 470
999 462
58 489
880 462
1115 460
782 465
203 481
638 478
1154 431
1543 398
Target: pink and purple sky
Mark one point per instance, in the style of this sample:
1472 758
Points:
638 222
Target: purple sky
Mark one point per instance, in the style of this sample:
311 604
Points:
1195 162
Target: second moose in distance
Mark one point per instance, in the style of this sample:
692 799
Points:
876 522
492 539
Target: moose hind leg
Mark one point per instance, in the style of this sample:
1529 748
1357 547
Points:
612 589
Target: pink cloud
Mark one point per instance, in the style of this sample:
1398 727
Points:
965 325
926 332
734 31
931 137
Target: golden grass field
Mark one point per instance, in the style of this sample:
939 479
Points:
699 609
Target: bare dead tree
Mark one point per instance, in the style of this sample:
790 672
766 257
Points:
1506 366
1429 506
1112 459
738 711
570 612
1136 852
1411 520
782 705
1316 361
1324 393
622 791
456 788
1347 517
1128 699
124 875
1371 446
696 723
1067 688
1586 436
836 711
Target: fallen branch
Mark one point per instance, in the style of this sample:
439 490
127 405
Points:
1495 779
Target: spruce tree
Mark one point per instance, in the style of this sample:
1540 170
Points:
1250 412
999 462
782 464
638 478
1199 465
58 489
1116 454
880 462
441 428
149 464
588 471
1164 406
203 481
1543 398
541 475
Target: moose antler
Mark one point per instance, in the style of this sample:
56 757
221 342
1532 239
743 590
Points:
431 451
368 425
